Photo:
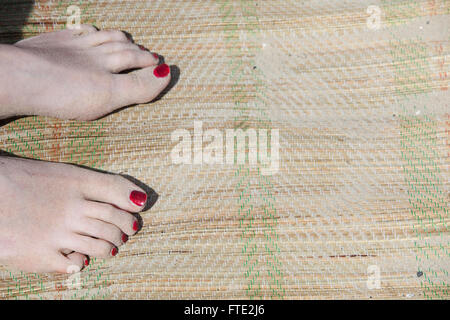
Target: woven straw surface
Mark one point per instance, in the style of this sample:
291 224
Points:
363 120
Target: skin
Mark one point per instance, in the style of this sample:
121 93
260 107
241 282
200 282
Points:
54 216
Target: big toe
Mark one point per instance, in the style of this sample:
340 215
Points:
114 190
140 86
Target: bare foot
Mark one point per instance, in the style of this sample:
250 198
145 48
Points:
48 209
73 74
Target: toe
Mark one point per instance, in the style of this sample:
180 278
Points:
101 230
123 220
78 259
140 86
97 38
115 190
92 247
128 59
84 29
116 46
71 263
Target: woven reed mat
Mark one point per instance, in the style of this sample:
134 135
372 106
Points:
359 205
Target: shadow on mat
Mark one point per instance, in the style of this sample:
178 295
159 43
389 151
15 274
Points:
13 15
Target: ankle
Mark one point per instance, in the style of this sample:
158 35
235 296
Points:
8 55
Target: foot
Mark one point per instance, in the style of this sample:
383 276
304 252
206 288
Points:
74 74
54 216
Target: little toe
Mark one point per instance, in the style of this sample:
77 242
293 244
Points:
115 190
140 86
71 263
78 259
83 29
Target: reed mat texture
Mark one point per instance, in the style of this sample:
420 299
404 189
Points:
358 207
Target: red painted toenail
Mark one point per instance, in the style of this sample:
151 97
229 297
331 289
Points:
138 198
156 56
135 226
161 71
124 238
86 262
114 251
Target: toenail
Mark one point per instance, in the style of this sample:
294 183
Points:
114 251
155 56
161 71
86 262
138 198
142 47
135 225
124 238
